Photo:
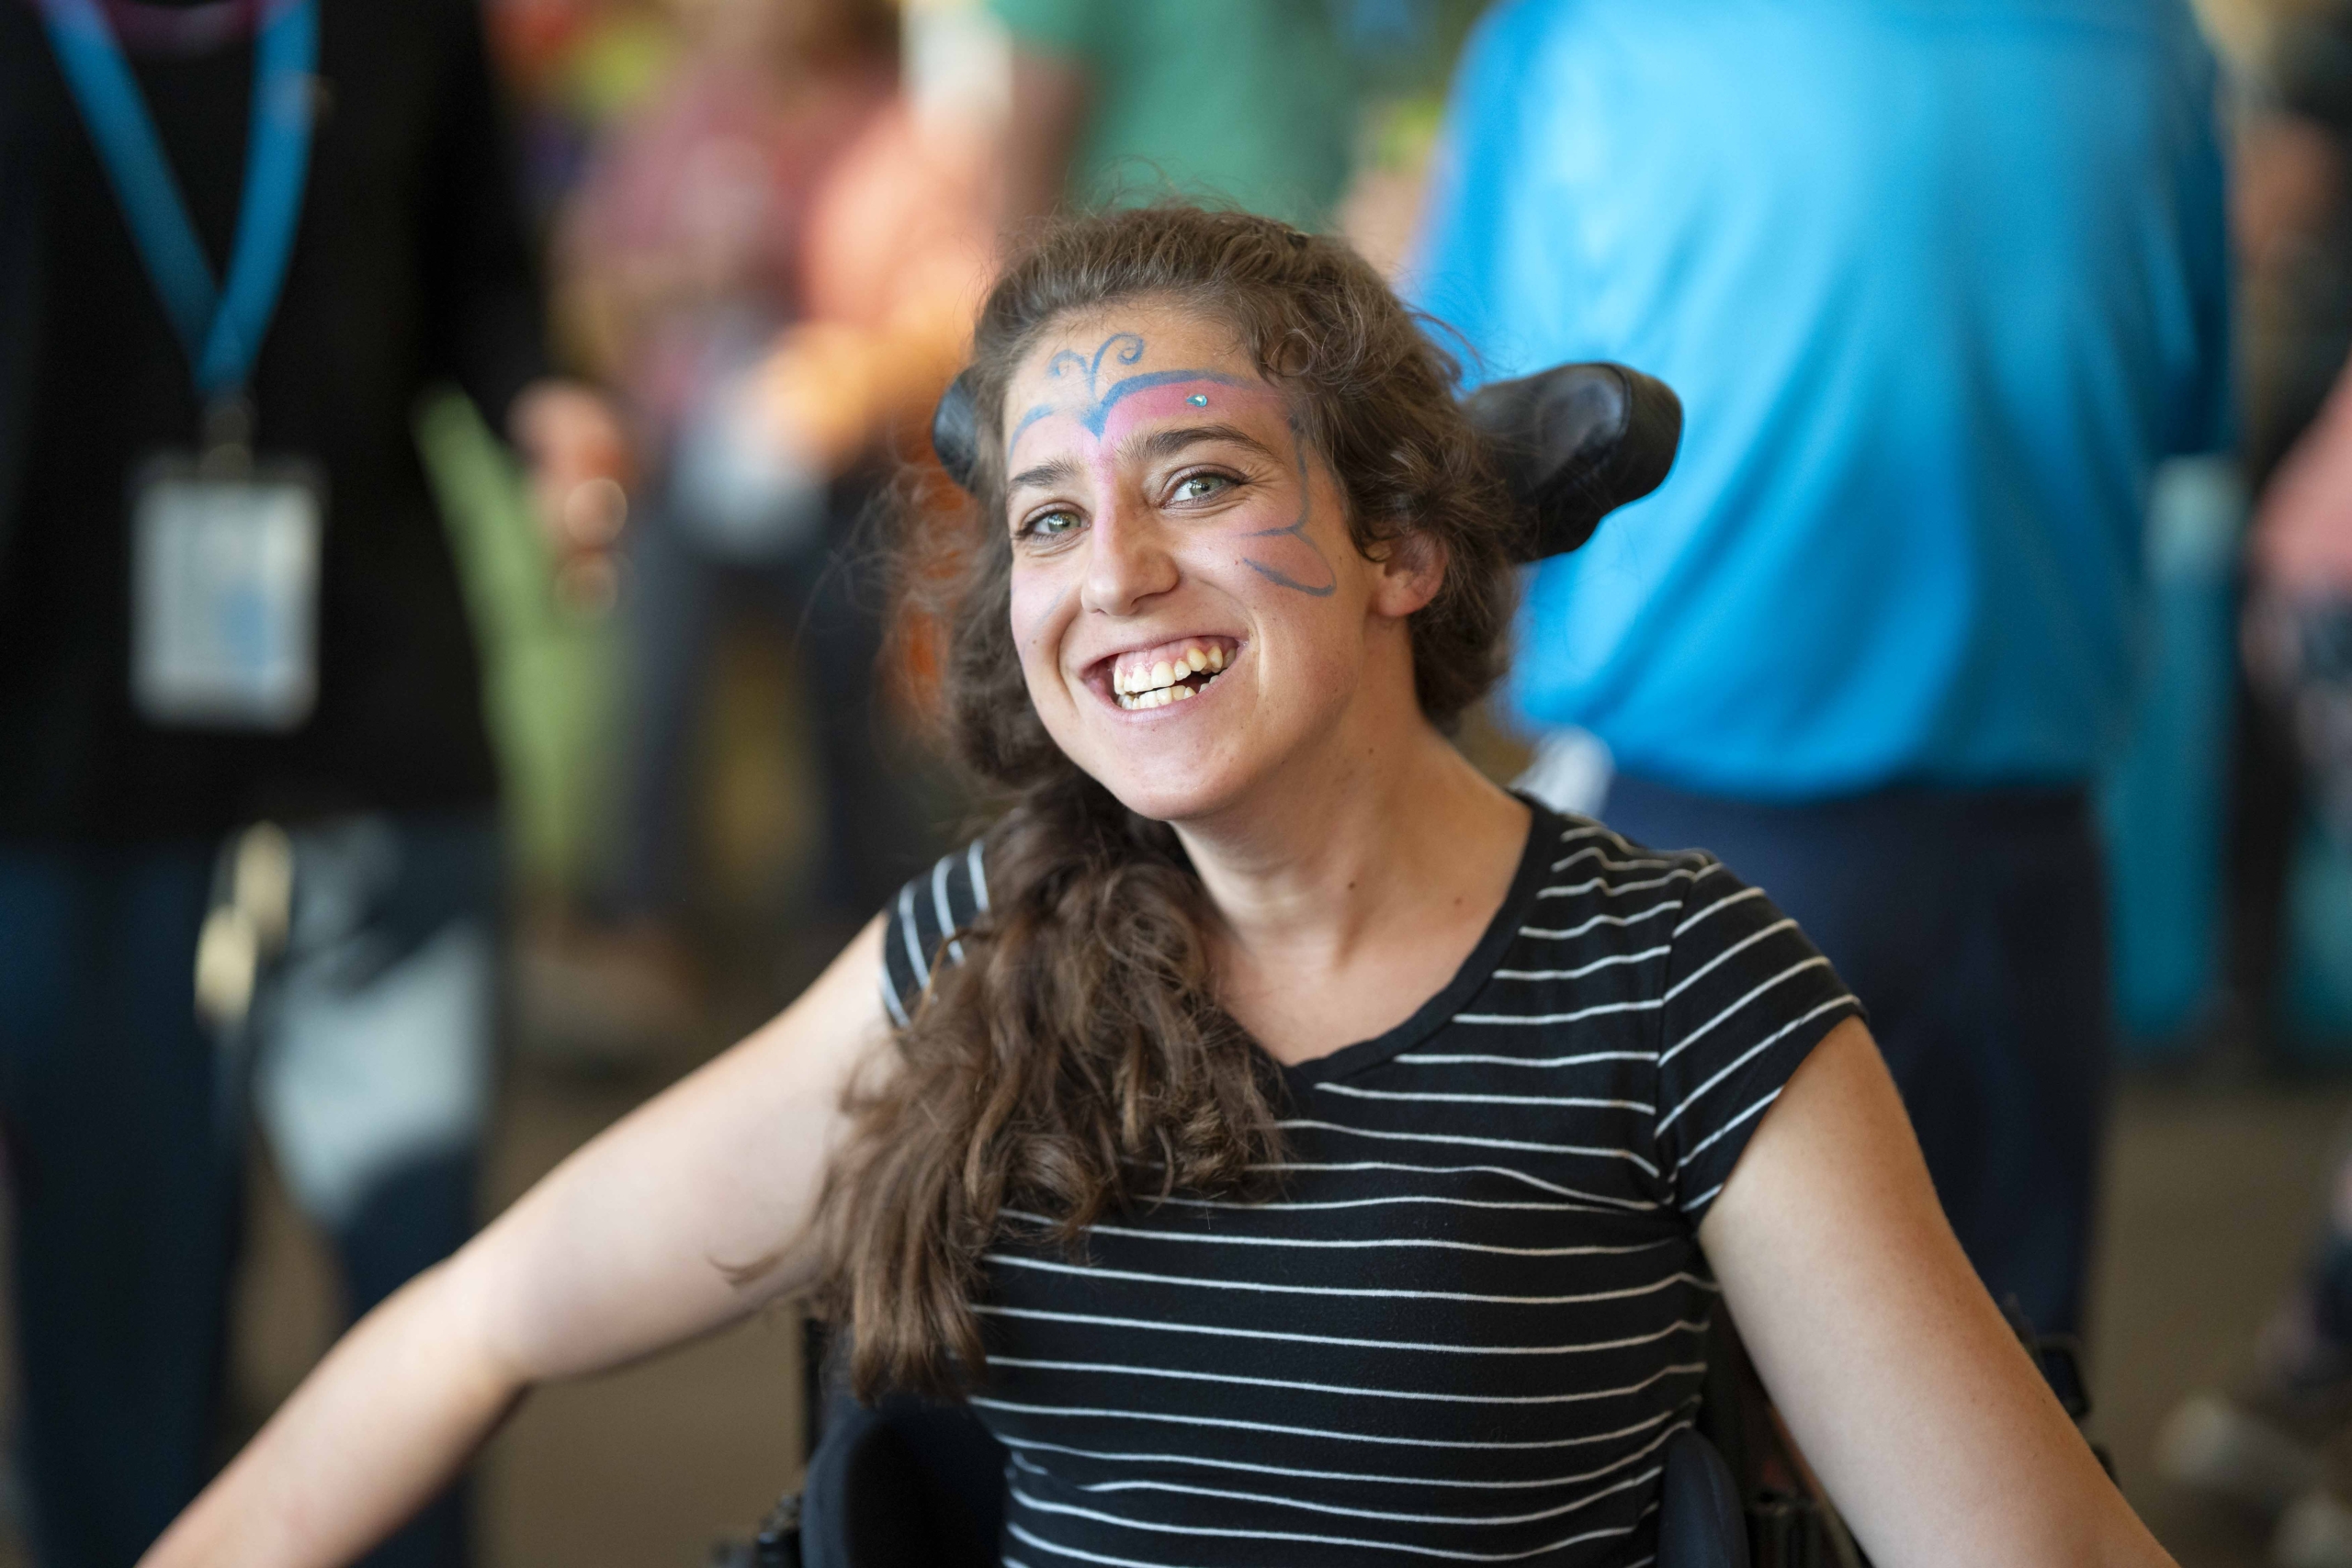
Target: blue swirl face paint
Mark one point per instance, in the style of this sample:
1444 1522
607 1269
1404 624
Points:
1296 529
1093 413
1096 408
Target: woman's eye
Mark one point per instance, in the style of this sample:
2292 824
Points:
1050 524
1200 487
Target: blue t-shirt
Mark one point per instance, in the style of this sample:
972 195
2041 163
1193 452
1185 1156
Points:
1939 283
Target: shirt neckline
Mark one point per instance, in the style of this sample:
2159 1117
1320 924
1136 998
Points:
1543 827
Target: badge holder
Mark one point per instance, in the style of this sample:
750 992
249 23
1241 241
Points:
224 551
224 589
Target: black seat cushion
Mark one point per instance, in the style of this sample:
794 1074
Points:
1700 1523
903 1484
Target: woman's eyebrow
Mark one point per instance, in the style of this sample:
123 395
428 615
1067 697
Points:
1157 446
1161 443
1045 474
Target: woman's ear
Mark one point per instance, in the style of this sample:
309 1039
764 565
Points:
1410 572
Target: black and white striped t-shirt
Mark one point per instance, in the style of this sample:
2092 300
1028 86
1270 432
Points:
1466 1327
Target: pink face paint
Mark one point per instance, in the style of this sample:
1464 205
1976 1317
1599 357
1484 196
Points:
1093 407
1106 414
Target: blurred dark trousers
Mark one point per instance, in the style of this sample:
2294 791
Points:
830 602
1971 924
124 1122
125 1190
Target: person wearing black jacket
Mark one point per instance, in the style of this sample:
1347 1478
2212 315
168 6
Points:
375 881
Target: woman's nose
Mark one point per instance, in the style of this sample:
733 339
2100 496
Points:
1128 561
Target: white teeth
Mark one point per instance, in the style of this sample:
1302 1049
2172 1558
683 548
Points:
1157 685
1158 698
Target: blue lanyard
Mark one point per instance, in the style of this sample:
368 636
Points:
220 326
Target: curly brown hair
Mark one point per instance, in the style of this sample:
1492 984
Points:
1077 1061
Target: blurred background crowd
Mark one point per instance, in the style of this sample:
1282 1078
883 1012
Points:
600 328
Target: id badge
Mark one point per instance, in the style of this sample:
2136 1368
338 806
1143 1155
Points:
224 595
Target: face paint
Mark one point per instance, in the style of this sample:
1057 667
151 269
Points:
1297 530
1095 409
1094 413
1152 518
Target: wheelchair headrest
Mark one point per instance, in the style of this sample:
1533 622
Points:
1576 442
1573 443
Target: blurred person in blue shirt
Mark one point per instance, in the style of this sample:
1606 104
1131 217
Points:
1939 286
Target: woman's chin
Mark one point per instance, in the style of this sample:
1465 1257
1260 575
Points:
1163 801
1175 793
1182 771
1195 762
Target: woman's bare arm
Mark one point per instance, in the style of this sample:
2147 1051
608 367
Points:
687 1214
1925 1419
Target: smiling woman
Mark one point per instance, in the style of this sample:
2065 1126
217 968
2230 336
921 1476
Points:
1180 393
1296 1149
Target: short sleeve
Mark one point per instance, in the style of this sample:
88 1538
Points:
1049 26
1747 997
921 925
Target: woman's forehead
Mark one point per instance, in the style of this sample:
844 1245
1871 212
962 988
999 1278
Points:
1103 373
1155 330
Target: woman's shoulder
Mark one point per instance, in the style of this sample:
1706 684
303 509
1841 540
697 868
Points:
921 923
1707 927
1690 969
1594 882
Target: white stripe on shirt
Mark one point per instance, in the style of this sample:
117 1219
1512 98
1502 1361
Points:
1208 1462
1356 1391
913 943
1591 1151
1789 973
1577 974
1135 1276
1102 1320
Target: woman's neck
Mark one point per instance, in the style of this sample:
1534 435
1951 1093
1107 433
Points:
1352 889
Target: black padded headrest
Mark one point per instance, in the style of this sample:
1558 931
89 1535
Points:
955 430
1575 443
